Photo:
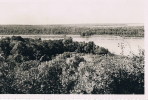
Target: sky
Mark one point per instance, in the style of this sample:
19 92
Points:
71 11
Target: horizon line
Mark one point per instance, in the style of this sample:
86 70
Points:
78 24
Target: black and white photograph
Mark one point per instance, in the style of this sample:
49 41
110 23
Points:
72 47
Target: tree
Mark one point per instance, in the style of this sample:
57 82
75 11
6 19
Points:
89 48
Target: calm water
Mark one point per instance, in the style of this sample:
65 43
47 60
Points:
115 44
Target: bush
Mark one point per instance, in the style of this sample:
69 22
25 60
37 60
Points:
92 71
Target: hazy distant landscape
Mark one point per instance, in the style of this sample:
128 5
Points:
134 30
72 59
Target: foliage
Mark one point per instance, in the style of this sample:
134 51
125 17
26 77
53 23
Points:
23 49
32 66
83 30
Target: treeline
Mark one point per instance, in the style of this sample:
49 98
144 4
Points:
24 49
71 29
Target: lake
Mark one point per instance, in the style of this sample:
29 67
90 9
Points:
115 44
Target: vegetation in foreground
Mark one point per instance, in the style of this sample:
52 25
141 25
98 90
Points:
29 66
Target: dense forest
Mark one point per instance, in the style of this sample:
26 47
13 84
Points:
83 30
33 66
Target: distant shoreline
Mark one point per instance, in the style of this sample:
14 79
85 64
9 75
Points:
129 30
70 35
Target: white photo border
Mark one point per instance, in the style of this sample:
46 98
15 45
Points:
90 96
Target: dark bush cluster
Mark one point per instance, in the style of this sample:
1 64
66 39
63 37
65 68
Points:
71 73
23 49
70 69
